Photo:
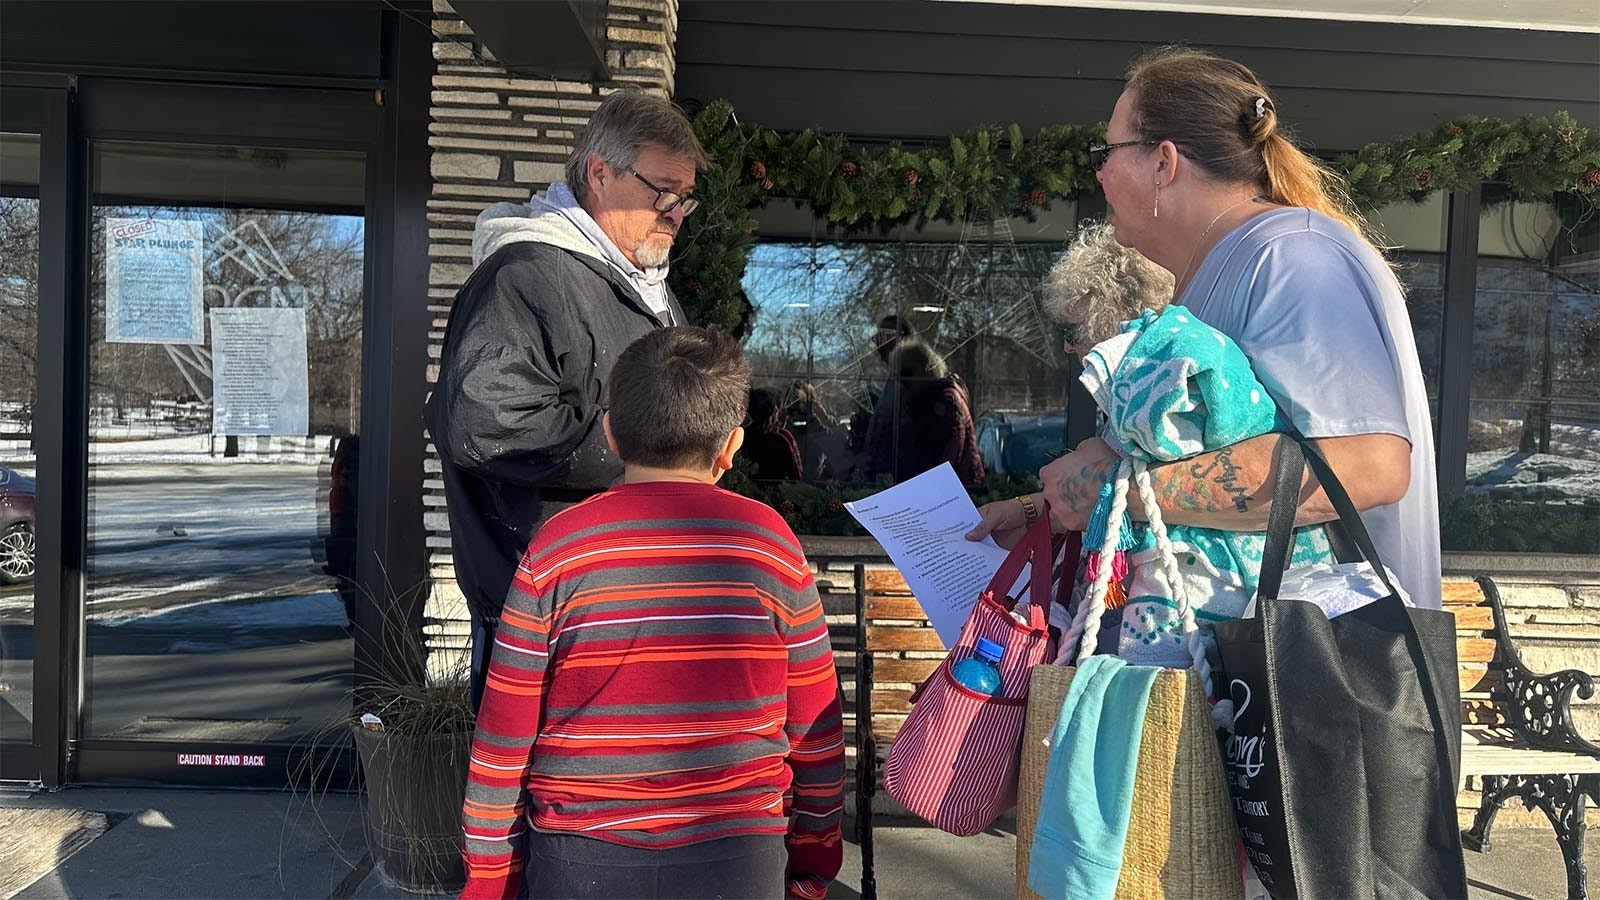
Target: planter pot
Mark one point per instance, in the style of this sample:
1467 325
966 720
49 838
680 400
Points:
415 786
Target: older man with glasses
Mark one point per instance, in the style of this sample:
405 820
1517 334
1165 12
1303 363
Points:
559 288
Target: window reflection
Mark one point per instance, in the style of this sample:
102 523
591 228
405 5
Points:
1533 439
224 405
19 386
886 359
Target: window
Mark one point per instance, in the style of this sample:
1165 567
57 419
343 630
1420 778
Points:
877 360
1533 437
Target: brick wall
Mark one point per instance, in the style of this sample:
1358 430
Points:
498 136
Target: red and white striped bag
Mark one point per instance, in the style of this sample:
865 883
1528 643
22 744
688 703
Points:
955 761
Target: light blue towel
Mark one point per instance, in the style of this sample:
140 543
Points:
1088 786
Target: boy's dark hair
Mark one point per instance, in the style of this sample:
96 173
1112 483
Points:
675 394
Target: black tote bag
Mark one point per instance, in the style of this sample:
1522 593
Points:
1346 744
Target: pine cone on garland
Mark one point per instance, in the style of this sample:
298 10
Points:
916 194
1454 130
692 285
849 169
766 184
1424 180
1037 197
786 508
758 170
1590 179
835 505
911 176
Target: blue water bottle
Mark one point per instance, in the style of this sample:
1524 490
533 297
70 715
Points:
978 672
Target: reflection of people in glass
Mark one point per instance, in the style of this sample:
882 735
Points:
928 422
768 444
823 451
561 287
339 539
891 331
1266 250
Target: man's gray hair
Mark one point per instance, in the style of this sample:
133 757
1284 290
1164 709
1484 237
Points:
1098 283
626 121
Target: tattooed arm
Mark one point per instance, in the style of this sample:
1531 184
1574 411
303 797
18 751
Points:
1231 488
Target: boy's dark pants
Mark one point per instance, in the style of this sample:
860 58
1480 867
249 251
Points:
564 866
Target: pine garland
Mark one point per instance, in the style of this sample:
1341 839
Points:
993 171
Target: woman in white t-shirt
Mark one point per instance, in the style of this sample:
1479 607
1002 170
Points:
1264 246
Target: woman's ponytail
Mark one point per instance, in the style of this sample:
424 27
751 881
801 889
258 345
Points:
1222 117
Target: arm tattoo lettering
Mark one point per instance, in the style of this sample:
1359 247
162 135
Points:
1223 472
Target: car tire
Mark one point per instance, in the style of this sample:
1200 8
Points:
18 554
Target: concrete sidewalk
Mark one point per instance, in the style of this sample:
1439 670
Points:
171 844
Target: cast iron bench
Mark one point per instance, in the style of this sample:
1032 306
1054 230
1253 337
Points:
1524 747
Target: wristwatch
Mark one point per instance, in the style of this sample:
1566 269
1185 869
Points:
1030 510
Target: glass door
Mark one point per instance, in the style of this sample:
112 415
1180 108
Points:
19 396
225 289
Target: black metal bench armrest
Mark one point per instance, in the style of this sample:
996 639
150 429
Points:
1539 706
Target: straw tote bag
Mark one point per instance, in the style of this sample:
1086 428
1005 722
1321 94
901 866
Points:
1181 840
954 762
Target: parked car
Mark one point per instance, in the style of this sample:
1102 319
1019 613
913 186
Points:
1020 445
16 527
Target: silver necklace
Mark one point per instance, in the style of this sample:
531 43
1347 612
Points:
1182 283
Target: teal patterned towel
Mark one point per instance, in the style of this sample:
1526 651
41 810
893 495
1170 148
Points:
1173 387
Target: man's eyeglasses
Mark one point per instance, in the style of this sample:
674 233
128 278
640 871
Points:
667 201
1099 152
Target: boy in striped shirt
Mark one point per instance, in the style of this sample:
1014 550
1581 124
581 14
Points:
661 716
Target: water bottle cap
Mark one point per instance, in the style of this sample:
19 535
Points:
989 650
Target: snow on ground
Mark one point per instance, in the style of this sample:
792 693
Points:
239 612
1533 476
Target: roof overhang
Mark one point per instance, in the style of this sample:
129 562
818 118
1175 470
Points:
1539 15
563 39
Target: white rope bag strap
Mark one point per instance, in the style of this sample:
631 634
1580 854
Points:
1222 712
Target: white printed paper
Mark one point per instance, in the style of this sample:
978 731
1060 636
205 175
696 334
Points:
922 524
258 371
155 281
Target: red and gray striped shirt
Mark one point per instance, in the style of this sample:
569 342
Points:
662 676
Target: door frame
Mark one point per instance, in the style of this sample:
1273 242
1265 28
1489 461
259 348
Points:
45 105
387 119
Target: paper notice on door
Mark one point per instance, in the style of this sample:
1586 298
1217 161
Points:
258 371
155 281
922 525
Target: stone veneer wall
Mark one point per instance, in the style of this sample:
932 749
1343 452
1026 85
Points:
500 136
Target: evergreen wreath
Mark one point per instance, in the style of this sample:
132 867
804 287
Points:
995 171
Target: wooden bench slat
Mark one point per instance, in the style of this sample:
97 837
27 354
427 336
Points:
1478 677
882 607
1473 618
896 702
1478 761
886 581
1461 593
1475 650
902 637
912 671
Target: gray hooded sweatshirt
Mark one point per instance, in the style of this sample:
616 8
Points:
505 223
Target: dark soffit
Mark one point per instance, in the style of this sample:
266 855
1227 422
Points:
555 39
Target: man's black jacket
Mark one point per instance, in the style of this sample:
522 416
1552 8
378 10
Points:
528 351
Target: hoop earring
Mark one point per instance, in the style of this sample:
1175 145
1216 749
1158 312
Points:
1155 211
